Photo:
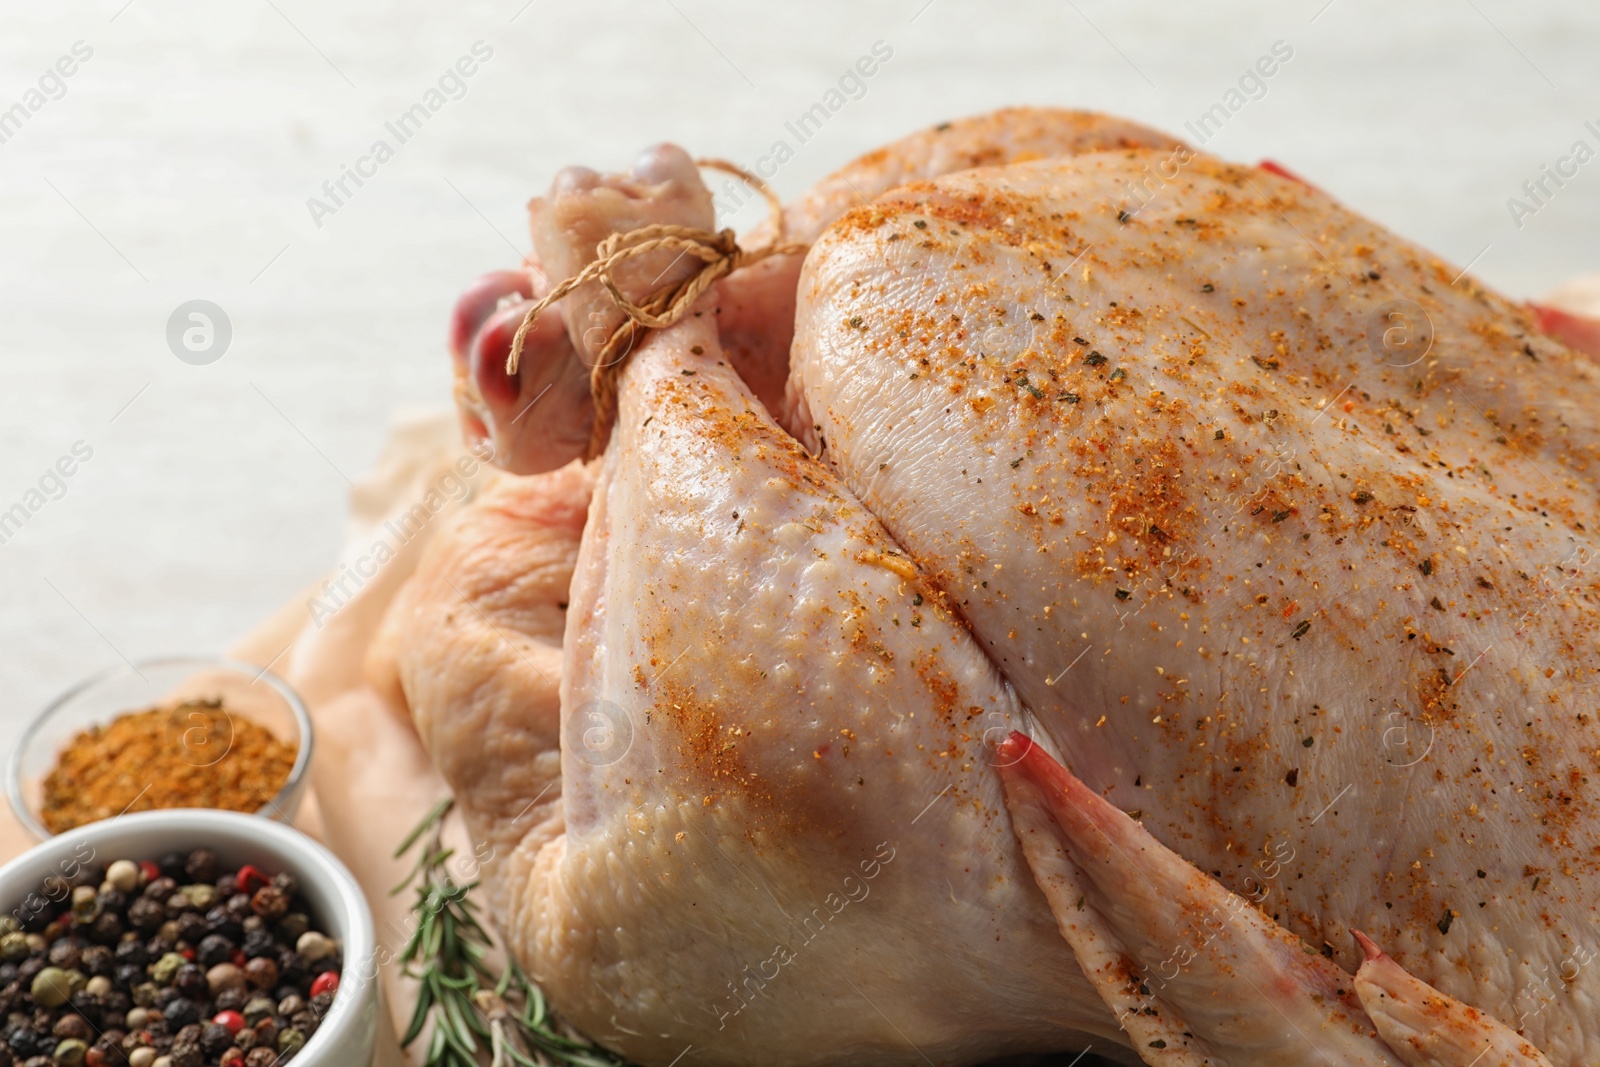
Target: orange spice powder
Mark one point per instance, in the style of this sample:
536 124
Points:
188 755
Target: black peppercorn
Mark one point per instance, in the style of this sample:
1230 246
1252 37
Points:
23 1042
97 960
90 874
201 865
65 954
259 943
181 1011
35 921
223 924
106 928
239 906
213 949
146 915
191 982
160 889
131 951
171 865
192 927
215 1039
292 969
232 999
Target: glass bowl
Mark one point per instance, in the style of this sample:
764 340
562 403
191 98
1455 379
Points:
246 691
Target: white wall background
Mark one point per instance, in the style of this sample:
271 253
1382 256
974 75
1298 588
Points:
178 164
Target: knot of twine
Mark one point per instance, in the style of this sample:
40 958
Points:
717 250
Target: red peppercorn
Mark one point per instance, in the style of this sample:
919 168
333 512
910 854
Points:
187 953
238 957
231 1019
150 871
250 879
326 982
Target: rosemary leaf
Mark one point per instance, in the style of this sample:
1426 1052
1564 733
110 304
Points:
448 953
434 818
419 1015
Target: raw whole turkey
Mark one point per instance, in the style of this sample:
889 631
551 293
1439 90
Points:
1099 596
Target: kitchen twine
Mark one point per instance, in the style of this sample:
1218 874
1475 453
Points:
718 250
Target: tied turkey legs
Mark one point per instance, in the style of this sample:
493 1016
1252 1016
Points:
918 355
755 309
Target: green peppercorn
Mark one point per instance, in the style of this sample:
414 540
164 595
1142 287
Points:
162 970
51 987
14 947
258 1008
290 1041
71 1052
85 904
294 926
201 896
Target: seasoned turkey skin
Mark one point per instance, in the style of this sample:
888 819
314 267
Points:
1281 583
1140 580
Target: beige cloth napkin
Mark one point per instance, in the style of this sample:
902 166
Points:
371 780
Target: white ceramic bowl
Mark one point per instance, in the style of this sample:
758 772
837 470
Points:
348 1032
247 692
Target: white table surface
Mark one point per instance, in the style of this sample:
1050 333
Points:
179 161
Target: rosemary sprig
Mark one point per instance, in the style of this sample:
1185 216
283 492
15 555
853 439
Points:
477 1014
